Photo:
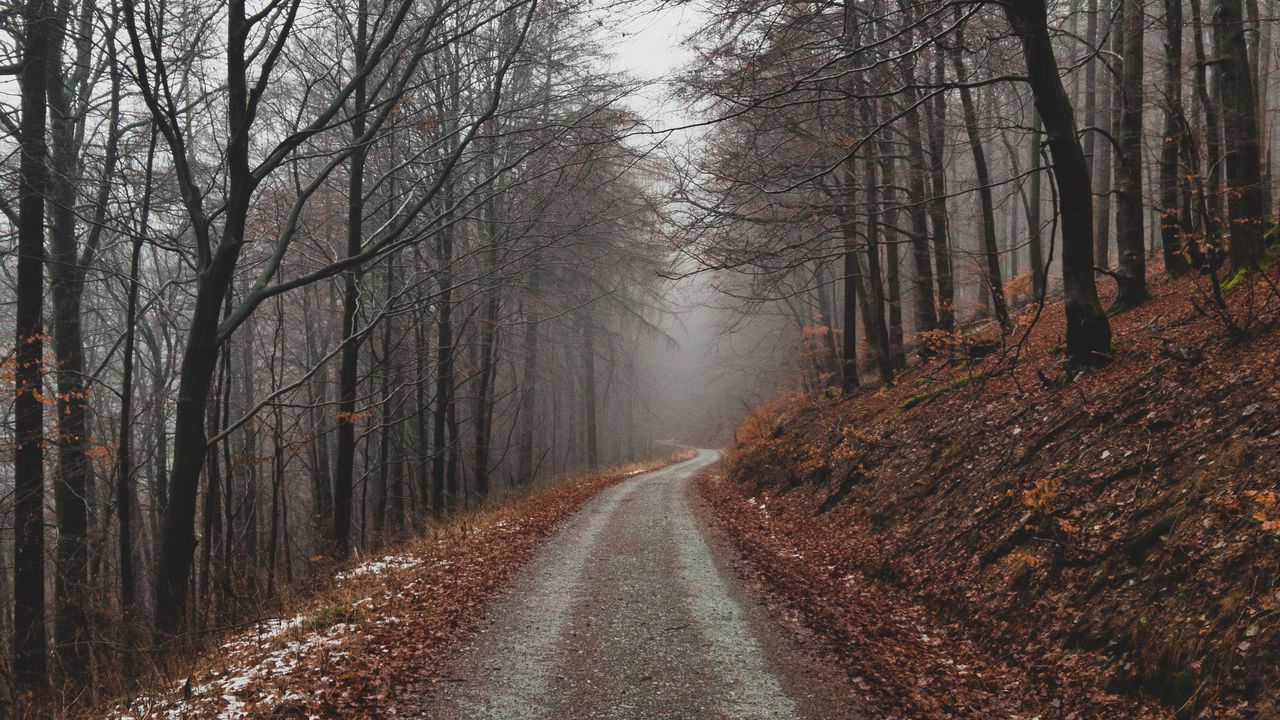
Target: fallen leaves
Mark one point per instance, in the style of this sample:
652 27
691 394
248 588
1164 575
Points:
1086 548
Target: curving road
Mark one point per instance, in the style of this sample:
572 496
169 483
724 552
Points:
631 611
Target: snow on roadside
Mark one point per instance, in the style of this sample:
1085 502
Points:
250 679
383 613
256 665
380 566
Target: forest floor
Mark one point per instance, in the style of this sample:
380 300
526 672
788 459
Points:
384 631
985 540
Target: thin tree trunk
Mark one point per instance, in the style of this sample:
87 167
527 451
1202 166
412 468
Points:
1131 268
1212 130
893 268
321 472
348 378
443 461
1102 171
396 489
875 282
848 321
66 273
488 331
990 244
1039 272
423 349
1091 91
387 422
124 443
444 381
1171 184
938 204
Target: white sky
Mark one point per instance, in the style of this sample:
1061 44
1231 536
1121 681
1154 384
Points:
649 46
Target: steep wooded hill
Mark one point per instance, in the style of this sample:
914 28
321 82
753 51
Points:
1098 544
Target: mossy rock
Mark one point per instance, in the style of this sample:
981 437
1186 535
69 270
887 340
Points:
1229 283
914 400
923 397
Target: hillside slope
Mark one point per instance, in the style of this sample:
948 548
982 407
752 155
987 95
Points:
1103 546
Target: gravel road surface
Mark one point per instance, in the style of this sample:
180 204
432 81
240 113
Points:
634 611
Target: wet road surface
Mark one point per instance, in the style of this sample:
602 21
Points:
634 611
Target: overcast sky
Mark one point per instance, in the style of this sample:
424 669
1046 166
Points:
648 45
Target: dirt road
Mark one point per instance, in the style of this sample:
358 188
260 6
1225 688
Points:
631 611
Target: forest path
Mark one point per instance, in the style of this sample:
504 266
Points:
634 611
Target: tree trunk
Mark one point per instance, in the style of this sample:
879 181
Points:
443 463
1091 92
200 352
385 418
1212 131
66 274
205 606
277 480
938 204
444 379
396 489
423 350
991 248
124 444
1088 331
1102 172
926 314
848 321
318 387
1039 271
1131 269
874 311
1240 128
348 377
893 265
1171 220
29 640
488 331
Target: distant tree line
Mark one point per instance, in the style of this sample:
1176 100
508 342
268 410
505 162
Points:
887 170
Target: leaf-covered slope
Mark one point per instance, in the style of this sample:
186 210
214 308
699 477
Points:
1112 535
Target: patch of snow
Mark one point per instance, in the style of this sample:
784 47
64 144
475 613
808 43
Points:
380 566
247 677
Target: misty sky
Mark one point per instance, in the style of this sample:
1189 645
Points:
707 376
648 45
